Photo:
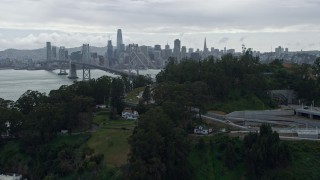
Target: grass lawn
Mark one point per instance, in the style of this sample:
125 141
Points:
111 139
132 96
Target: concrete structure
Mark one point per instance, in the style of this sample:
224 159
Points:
195 56
144 50
120 45
54 52
205 52
109 54
283 96
176 50
311 134
183 52
310 113
49 51
62 53
85 53
157 47
167 52
62 57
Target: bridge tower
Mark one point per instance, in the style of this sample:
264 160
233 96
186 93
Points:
73 71
63 68
64 64
133 58
86 74
86 59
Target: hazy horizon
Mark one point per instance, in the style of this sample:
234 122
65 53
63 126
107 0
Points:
259 24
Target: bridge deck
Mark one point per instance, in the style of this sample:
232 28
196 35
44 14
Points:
103 68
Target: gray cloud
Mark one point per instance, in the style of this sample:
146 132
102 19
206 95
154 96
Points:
164 18
242 39
224 40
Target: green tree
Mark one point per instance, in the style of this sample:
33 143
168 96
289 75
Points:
117 96
265 151
146 95
29 100
158 149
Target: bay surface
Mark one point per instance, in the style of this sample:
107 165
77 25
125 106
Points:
13 83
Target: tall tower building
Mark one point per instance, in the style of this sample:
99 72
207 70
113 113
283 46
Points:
119 40
85 53
157 47
54 52
183 52
62 53
109 51
167 52
205 52
205 48
176 49
48 51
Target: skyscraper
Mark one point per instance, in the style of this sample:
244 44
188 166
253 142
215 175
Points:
62 53
157 47
48 51
54 52
119 41
205 52
176 49
109 51
167 52
85 53
183 52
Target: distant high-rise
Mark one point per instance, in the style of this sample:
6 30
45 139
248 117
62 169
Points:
62 53
119 41
167 52
205 45
167 46
176 49
144 50
48 51
205 52
54 52
109 51
86 53
183 52
157 47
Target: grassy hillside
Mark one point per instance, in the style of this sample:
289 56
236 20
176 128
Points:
111 138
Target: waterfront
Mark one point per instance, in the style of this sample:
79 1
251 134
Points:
13 83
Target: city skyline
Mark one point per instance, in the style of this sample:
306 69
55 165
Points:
261 25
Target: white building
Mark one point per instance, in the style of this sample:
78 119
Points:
202 130
128 113
8 177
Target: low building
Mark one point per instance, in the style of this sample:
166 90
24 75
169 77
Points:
8 177
128 113
201 129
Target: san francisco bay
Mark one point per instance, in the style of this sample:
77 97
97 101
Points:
13 83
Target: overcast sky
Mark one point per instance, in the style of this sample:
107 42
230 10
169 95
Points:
259 24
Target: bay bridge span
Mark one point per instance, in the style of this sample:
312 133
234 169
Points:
136 60
85 66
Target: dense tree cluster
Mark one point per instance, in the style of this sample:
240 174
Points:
265 151
159 149
35 119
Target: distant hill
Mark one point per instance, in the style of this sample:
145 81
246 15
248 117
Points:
39 54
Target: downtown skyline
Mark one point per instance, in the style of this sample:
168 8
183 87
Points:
261 25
